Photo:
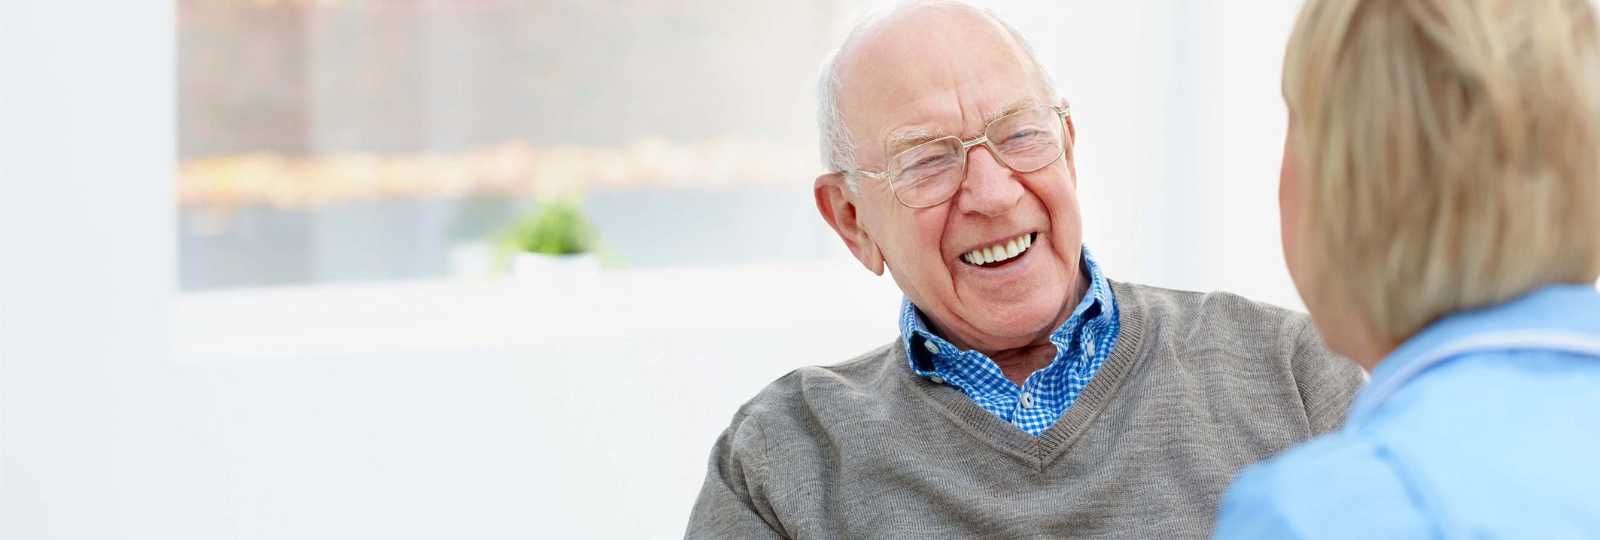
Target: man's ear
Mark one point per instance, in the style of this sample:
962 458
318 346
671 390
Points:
1072 140
833 202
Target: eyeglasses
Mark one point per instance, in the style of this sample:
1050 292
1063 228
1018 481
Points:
930 173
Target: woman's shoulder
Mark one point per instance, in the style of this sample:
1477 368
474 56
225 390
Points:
1339 485
1499 400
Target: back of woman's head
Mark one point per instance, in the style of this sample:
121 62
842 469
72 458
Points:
1449 152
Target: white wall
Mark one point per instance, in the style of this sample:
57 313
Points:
86 150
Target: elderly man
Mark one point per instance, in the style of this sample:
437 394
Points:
1027 395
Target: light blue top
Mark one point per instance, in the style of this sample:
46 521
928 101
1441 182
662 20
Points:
1484 425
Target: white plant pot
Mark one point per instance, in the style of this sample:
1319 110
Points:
555 268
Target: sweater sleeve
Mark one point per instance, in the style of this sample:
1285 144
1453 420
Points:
731 504
1327 382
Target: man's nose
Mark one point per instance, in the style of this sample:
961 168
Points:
991 189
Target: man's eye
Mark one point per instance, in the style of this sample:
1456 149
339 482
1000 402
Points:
1024 134
929 162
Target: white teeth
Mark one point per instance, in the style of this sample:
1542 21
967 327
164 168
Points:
999 252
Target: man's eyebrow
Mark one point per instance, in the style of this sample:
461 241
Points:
902 139
1014 107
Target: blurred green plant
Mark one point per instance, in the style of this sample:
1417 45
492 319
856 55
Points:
555 228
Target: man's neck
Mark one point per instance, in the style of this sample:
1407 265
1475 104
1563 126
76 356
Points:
1019 363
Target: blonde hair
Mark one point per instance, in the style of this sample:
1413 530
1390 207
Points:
1448 150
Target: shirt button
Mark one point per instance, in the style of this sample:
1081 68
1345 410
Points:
1027 400
930 346
1088 348
936 379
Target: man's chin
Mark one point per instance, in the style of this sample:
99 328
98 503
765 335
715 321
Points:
1012 327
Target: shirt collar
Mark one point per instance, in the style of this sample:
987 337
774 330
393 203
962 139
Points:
1554 308
914 332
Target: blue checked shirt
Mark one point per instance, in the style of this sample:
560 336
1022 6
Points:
1082 345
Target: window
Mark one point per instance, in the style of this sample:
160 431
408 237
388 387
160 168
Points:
347 141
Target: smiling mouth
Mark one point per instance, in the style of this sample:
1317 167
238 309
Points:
1001 253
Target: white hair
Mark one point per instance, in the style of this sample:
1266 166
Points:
838 148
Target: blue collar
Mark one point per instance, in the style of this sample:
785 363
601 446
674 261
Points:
1097 302
1554 309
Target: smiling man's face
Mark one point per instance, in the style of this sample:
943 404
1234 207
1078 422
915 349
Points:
948 70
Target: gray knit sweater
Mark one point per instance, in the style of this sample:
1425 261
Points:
1198 386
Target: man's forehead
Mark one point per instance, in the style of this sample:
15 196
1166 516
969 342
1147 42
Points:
891 120
922 74
928 41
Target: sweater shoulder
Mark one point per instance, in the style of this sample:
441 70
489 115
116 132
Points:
1209 320
853 383
1252 342
1212 308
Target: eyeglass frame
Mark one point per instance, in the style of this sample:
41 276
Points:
1064 111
